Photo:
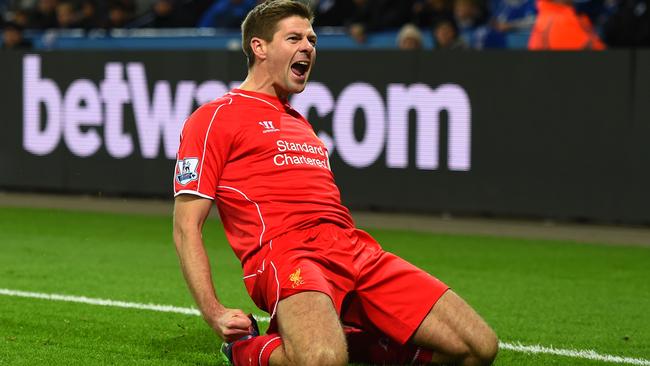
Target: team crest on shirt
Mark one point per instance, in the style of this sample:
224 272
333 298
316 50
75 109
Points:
186 170
296 279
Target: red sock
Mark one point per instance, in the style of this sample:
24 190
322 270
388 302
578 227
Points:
255 351
378 349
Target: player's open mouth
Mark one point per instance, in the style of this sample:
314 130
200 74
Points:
300 68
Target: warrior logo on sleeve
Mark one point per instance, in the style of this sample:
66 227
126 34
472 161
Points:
186 170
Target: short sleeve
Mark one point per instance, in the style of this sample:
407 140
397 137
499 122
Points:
203 152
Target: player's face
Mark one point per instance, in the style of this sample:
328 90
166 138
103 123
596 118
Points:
291 54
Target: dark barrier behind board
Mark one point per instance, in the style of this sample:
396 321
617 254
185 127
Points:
560 135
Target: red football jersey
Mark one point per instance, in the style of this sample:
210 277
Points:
262 163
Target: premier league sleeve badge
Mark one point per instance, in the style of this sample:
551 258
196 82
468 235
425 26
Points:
186 170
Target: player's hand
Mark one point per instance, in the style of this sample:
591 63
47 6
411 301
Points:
232 324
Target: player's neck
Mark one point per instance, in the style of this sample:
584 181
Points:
263 84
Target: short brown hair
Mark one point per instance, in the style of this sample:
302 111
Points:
263 20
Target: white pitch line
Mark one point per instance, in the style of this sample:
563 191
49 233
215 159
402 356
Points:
111 303
575 353
101 302
517 347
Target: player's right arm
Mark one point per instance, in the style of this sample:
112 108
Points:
190 213
202 155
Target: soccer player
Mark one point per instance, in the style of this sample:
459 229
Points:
333 294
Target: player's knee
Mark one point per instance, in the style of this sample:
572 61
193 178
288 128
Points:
484 349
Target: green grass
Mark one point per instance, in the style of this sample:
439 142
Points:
555 293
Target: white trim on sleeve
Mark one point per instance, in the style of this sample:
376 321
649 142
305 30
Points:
256 98
195 193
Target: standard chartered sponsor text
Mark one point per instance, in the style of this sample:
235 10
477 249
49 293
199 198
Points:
304 147
284 159
127 115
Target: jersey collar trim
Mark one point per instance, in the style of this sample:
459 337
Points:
268 99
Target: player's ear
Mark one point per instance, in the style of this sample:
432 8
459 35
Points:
259 47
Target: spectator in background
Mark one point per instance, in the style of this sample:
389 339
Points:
559 27
12 37
629 26
66 15
89 17
358 32
508 16
357 20
21 18
427 12
513 15
409 38
470 22
445 36
43 16
226 13
118 16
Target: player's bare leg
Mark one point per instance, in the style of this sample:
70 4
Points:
311 332
457 334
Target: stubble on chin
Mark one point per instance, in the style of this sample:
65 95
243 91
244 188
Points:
295 87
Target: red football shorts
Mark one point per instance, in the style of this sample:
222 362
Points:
370 288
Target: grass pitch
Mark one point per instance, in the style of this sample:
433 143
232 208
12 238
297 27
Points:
550 293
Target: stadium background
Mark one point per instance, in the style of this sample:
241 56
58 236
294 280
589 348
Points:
505 133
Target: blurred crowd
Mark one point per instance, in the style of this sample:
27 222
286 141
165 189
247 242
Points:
452 24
